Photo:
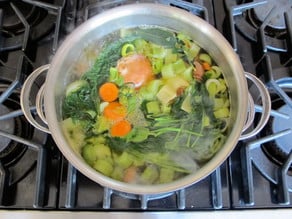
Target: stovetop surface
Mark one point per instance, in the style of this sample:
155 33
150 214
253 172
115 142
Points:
40 178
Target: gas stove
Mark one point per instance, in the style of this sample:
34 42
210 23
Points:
35 176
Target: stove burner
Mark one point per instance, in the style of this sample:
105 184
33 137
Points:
280 124
12 25
250 17
11 151
278 8
25 20
278 150
7 126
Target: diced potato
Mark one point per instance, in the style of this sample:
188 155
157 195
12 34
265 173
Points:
166 94
177 82
117 173
104 166
102 151
124 160
89 155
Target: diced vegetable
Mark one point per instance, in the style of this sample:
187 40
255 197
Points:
127 49
105 166
73 133
166 94
124 160
153 107
115 111
186 105
222 113
177 82
120 128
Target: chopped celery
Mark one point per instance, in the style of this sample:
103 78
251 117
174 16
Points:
173 69
179 66
149 92
187 74
167 71
158 51
222 113
157 64
153 107
170 57
142 46
154 85
192 51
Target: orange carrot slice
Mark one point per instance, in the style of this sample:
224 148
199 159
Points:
115 111
120 128
108 92
206 66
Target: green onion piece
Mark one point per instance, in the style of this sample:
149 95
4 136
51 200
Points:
127 49
212 86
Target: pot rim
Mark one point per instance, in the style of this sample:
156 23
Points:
78 162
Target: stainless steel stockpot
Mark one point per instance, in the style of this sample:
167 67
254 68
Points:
58 77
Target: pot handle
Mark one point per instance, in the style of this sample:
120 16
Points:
266 106
25 99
